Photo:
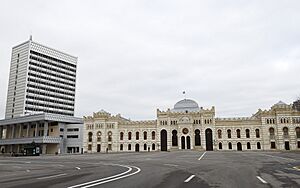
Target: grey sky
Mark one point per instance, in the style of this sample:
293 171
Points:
136 56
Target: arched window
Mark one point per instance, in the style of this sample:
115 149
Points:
197 138
109 134
258 145
145 135
248 145
247 133
153 147
145 147
272 133
285 132
238 133
121 135
229 133
153 135
257 133
229 145
219 133
121 147
99 136
129 135
220 145
90 136
297 132
174 138
129 147
137 135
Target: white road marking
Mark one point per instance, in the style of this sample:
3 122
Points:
120 177
27 170
262 180
27 162
77 168
278 157
117 175
54 176
296 168
201 156
189 178
171 165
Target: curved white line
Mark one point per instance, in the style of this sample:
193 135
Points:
120 177
117 175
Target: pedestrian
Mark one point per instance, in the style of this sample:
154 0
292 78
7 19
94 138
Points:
148 149
106 150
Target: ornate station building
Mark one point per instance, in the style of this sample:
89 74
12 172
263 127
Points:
188 126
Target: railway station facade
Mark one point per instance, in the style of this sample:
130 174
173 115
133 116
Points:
190 127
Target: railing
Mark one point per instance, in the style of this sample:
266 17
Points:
272 137
285 136
41 139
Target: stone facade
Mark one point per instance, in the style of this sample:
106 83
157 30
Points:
187 126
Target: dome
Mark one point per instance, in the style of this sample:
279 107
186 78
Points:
185 105
280 104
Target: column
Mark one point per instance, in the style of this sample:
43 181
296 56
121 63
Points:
36 129
13 131
27 131
45 128
6 131
44 149
20 130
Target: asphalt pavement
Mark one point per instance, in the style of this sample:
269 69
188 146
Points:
154 169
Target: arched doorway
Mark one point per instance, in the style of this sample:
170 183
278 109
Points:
174 138
239 146
188 142
137 147
209 141
163 140
197 138
220 145
182 142
287 145
153 147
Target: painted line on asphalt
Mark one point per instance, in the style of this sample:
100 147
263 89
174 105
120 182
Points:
262 180
201 156
102 179
77 168
54 176
189 179
296 168
171 165
114 179
278 157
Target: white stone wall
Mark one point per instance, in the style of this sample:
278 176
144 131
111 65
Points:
187 120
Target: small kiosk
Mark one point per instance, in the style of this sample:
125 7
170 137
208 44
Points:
32 149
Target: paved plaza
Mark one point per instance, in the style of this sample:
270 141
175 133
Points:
154 169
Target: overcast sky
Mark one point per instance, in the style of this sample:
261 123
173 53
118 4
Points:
137 56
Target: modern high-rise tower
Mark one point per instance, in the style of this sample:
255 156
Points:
41 79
